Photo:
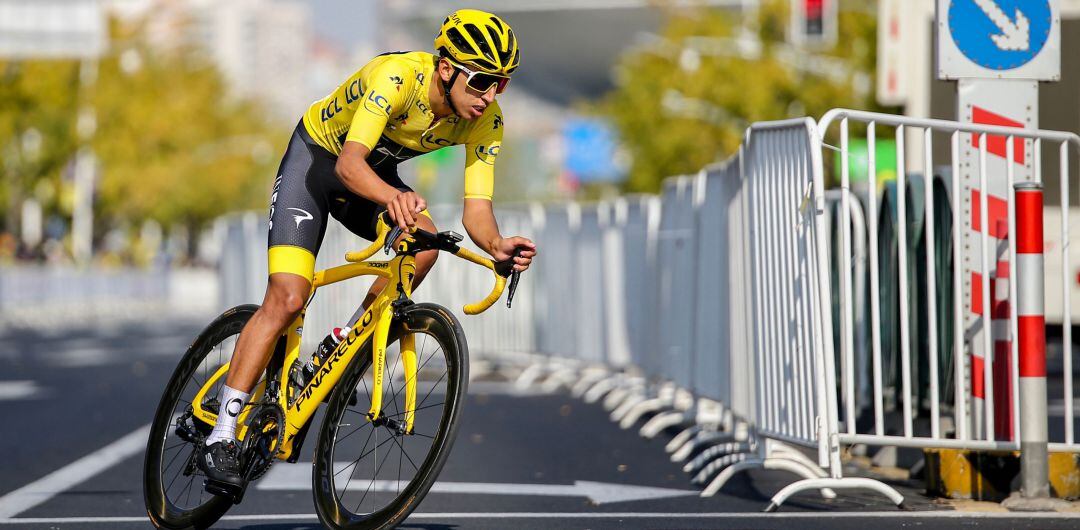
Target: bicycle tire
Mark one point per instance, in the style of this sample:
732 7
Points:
421 319
161 509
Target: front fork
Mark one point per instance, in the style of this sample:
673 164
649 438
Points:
408 356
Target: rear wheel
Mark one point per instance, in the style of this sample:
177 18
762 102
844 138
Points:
370 475
172 483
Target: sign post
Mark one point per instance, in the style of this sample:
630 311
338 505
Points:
998 51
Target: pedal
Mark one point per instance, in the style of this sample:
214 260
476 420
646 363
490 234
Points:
224 489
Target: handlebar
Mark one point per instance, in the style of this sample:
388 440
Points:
445 241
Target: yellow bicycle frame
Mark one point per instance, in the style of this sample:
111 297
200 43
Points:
375 321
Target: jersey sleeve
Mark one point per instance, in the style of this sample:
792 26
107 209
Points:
481 151
384 95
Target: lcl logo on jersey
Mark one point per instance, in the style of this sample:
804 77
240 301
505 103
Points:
331 108
431 142
487 154
377 104
352 92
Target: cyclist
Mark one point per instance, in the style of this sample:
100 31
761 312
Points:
342 162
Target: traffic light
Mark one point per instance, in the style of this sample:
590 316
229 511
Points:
813 22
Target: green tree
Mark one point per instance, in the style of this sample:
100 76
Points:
684 99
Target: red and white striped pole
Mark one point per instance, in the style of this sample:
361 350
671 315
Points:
1031 324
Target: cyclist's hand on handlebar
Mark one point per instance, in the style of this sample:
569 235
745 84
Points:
506 247
405 207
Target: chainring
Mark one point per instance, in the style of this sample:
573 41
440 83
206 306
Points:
265 435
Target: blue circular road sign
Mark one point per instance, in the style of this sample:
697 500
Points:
1000 34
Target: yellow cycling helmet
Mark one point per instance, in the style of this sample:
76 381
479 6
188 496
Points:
479 39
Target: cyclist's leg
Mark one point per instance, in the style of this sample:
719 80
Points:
298 215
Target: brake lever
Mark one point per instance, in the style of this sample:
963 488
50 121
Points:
515 276
513 287
391 237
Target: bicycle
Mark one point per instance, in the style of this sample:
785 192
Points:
274 423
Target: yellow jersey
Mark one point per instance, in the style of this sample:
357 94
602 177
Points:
385 107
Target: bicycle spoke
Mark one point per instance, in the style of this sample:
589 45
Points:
401 449
418 409
422 365
354 462
187 498
378 467
356 430
357 458
167 488
418 369
443 376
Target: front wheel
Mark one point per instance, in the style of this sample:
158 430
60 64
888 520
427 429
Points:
370 475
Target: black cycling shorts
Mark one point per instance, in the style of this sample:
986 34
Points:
306 191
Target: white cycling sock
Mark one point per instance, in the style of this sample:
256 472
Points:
232 403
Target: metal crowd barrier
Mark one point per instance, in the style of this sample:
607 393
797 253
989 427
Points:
36 295
966 434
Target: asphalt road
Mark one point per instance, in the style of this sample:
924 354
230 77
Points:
74 405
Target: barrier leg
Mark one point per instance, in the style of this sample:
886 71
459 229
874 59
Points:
808 475
591 376
645 407
703 438
602 387
836 483
662 421
683 437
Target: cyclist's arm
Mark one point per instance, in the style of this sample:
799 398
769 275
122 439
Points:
358 177
479 221
381 99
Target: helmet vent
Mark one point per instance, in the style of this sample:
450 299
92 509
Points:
481 42
510 45
495 20
459 42
495 41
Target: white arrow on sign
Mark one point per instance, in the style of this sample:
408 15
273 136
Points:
294 478
1014 36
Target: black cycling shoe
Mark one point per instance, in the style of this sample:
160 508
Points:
220 461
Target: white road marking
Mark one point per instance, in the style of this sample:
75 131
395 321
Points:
12 390
82 357
740 516
65 478
282 478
